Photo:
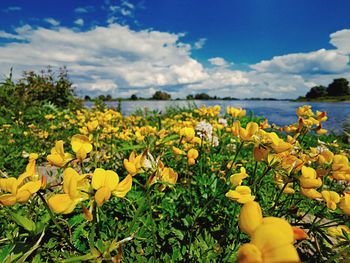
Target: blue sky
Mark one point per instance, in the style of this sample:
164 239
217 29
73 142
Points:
245 48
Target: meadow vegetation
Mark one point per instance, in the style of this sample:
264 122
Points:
189 185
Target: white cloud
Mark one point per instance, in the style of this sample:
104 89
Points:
117 60
79 22
128 4
12 9
327 61
84 9
217 61
341 40
6 35
200 43
106 57
52 21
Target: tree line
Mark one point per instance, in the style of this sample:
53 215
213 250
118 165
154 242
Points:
339 87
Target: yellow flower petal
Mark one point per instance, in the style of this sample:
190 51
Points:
250 217
31 187
282 225
7 199
62 203
249 253
123 187
102 195
103 178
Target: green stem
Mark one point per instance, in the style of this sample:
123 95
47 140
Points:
236 155
60 230
279 196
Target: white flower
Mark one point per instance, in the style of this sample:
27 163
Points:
222 121
204 130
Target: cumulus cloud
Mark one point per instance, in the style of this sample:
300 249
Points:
105 58
79 22
320 61
341 40
6 35
117 60
200 43
217 61
52 21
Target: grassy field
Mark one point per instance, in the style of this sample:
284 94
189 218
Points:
189 185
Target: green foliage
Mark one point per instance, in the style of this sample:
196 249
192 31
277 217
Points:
161 95
316 92
339 87
36 89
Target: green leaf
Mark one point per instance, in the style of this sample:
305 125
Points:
5 252
23 221
178 233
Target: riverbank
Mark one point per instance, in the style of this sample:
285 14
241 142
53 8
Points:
325 99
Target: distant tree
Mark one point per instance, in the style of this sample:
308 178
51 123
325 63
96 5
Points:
339 87
102 97
108 97
161 95
189 97
316 92
133 97
87 97
202 96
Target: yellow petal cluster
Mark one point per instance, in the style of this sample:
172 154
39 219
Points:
106 182
271 238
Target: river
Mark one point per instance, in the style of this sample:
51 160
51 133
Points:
278 112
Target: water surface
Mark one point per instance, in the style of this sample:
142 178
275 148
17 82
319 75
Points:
278 112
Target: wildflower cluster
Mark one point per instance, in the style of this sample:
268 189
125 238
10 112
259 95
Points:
101 186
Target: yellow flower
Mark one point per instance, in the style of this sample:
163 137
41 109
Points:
308 178
340 167
345 203
248 133
81 146
278 145
319 130
331 198
288 189
49 117
235 128
58 157
18 190
236 179
260 153
167 175
134 164
107 182
337 231
276 248
242 194
177 151
304 111
321 115
250 217
30 168
236 112
192 155
187 133
310 193
73 183
92 125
